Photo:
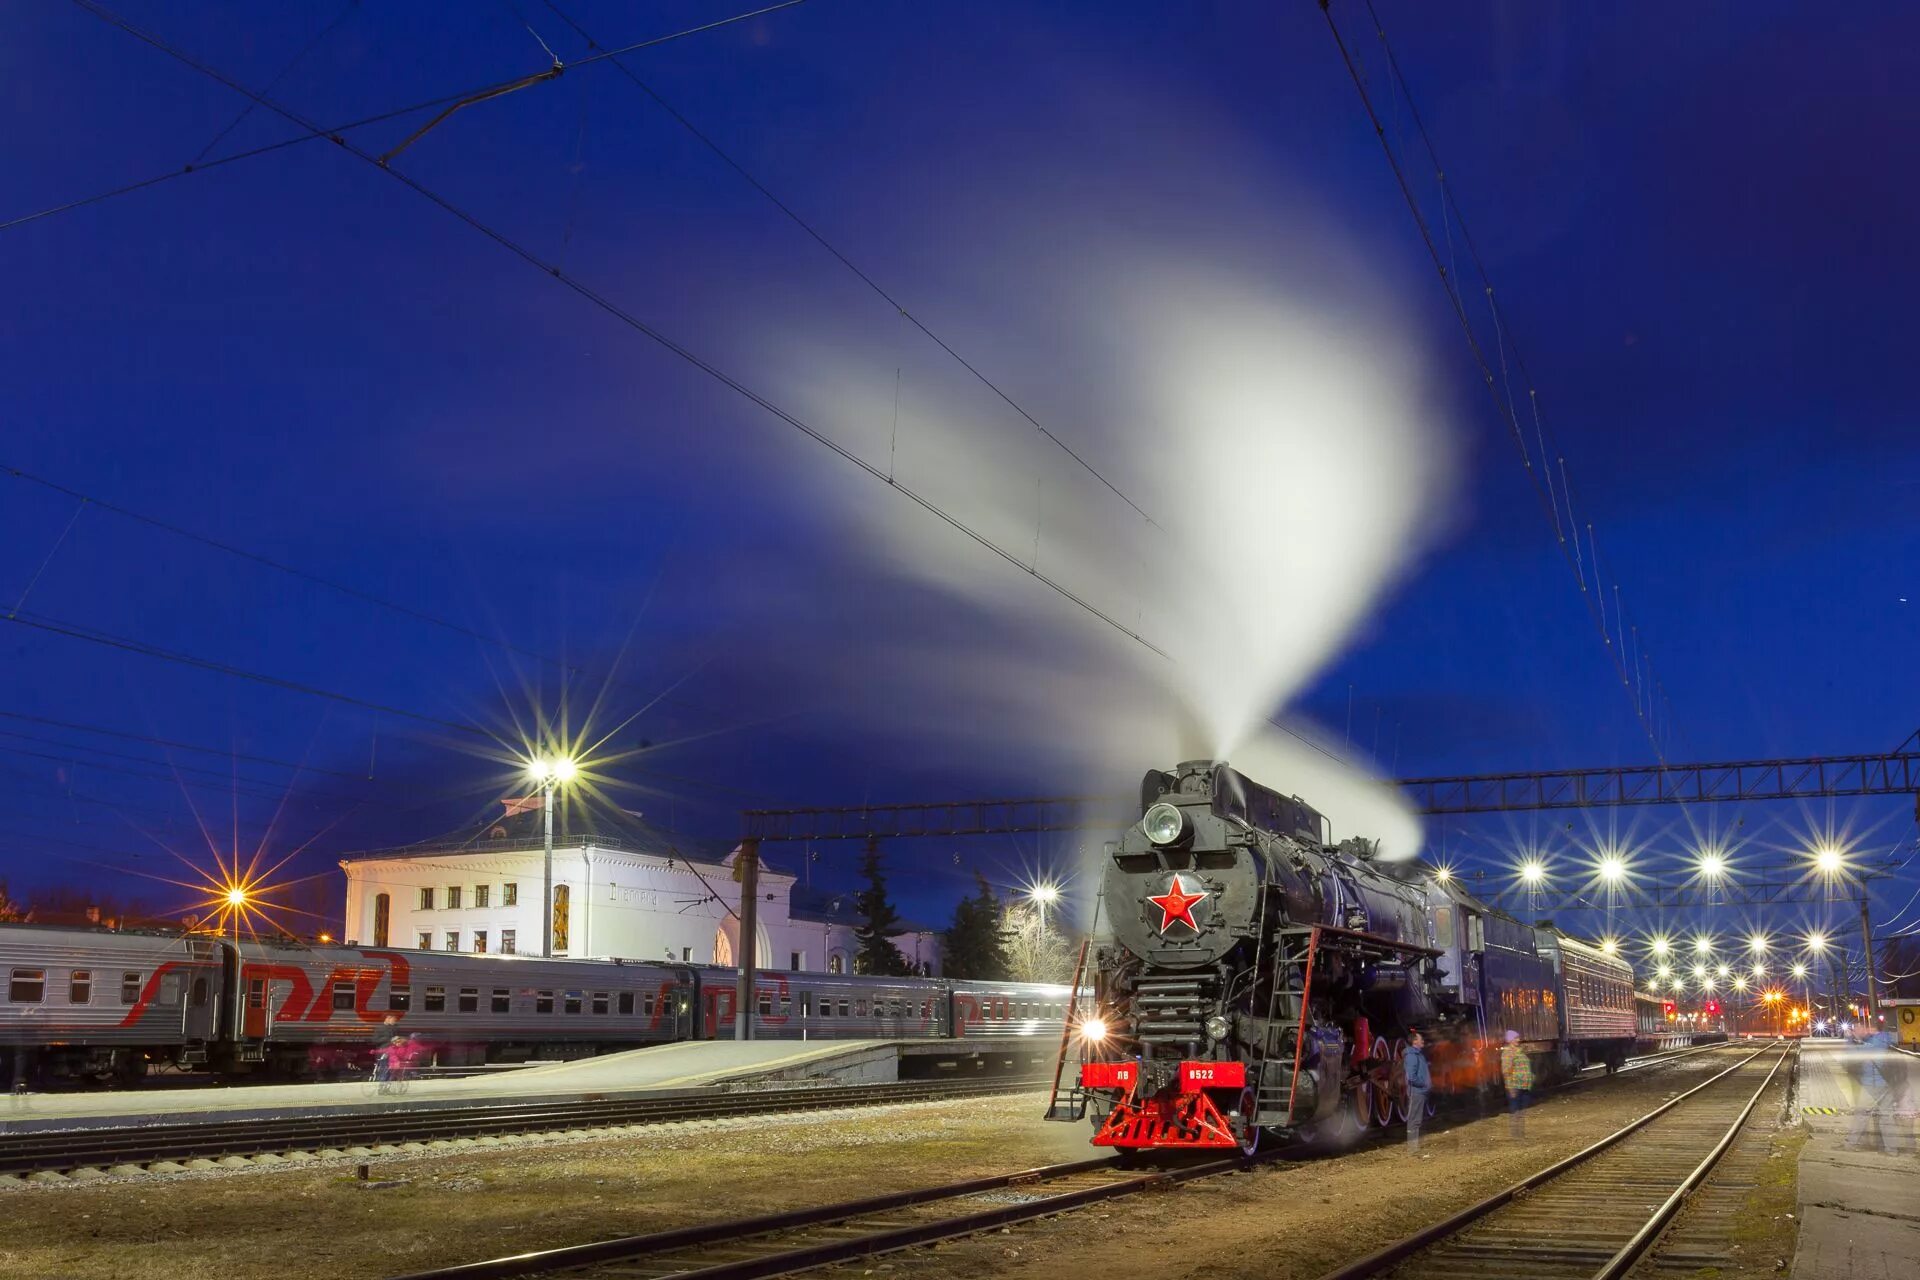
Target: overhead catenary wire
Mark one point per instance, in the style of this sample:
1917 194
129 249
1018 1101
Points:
787 210
282 74
306 575
71 630
1503 402
175 744
333 133
657 336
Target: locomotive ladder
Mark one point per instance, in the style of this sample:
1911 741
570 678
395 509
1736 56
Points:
1286 1017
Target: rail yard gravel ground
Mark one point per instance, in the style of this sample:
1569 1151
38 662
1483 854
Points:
1294 1220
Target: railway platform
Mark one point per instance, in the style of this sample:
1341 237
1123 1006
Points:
693 1068
1859 1172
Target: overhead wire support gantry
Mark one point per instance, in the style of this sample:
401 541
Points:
1892 773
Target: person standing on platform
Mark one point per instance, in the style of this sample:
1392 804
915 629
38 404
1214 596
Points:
1516 1072
1419 1082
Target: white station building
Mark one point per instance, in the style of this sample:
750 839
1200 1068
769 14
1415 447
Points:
622 888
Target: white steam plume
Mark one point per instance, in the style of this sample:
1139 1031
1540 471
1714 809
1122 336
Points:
1260 400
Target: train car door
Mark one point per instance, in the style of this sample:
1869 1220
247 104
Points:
256 1020
719 1013
198 1017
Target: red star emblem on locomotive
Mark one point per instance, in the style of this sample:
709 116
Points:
1177 904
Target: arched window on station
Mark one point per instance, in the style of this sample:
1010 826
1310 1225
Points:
382 914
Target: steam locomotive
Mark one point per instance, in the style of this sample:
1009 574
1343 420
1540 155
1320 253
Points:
1260 980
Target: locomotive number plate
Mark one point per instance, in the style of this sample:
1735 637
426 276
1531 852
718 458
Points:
1213 1075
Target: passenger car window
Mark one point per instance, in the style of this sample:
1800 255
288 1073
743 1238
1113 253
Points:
502 1000
130 988
29 986
436 1001
80 987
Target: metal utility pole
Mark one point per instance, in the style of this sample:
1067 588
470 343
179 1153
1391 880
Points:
746 867
546 874
1866 939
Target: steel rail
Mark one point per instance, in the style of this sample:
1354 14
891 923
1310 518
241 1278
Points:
578 1258
1380 1260
67 1149
1643 1239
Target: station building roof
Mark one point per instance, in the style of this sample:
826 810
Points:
576 825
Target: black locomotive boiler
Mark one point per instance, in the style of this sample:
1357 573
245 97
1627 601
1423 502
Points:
1258 978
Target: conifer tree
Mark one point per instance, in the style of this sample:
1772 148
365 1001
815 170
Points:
878 922
975 944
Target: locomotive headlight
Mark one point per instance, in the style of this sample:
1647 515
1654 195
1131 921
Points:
1217 1027
1093 1030
1164 824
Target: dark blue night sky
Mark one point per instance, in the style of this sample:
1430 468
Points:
1700 223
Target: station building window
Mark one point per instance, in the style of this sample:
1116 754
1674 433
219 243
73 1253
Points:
453 939
509 894
794 961
481 892
453 897
507 942
425 941
426 899
27 986
479 942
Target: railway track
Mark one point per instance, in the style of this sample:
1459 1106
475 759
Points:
782 1243
167 1148
1601 1212
798 1240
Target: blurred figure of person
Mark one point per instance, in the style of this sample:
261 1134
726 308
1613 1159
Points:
418 1054
1419 1082
1880 1085
1516 1073
389 1060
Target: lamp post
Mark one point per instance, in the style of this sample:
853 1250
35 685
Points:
236 898
550 773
